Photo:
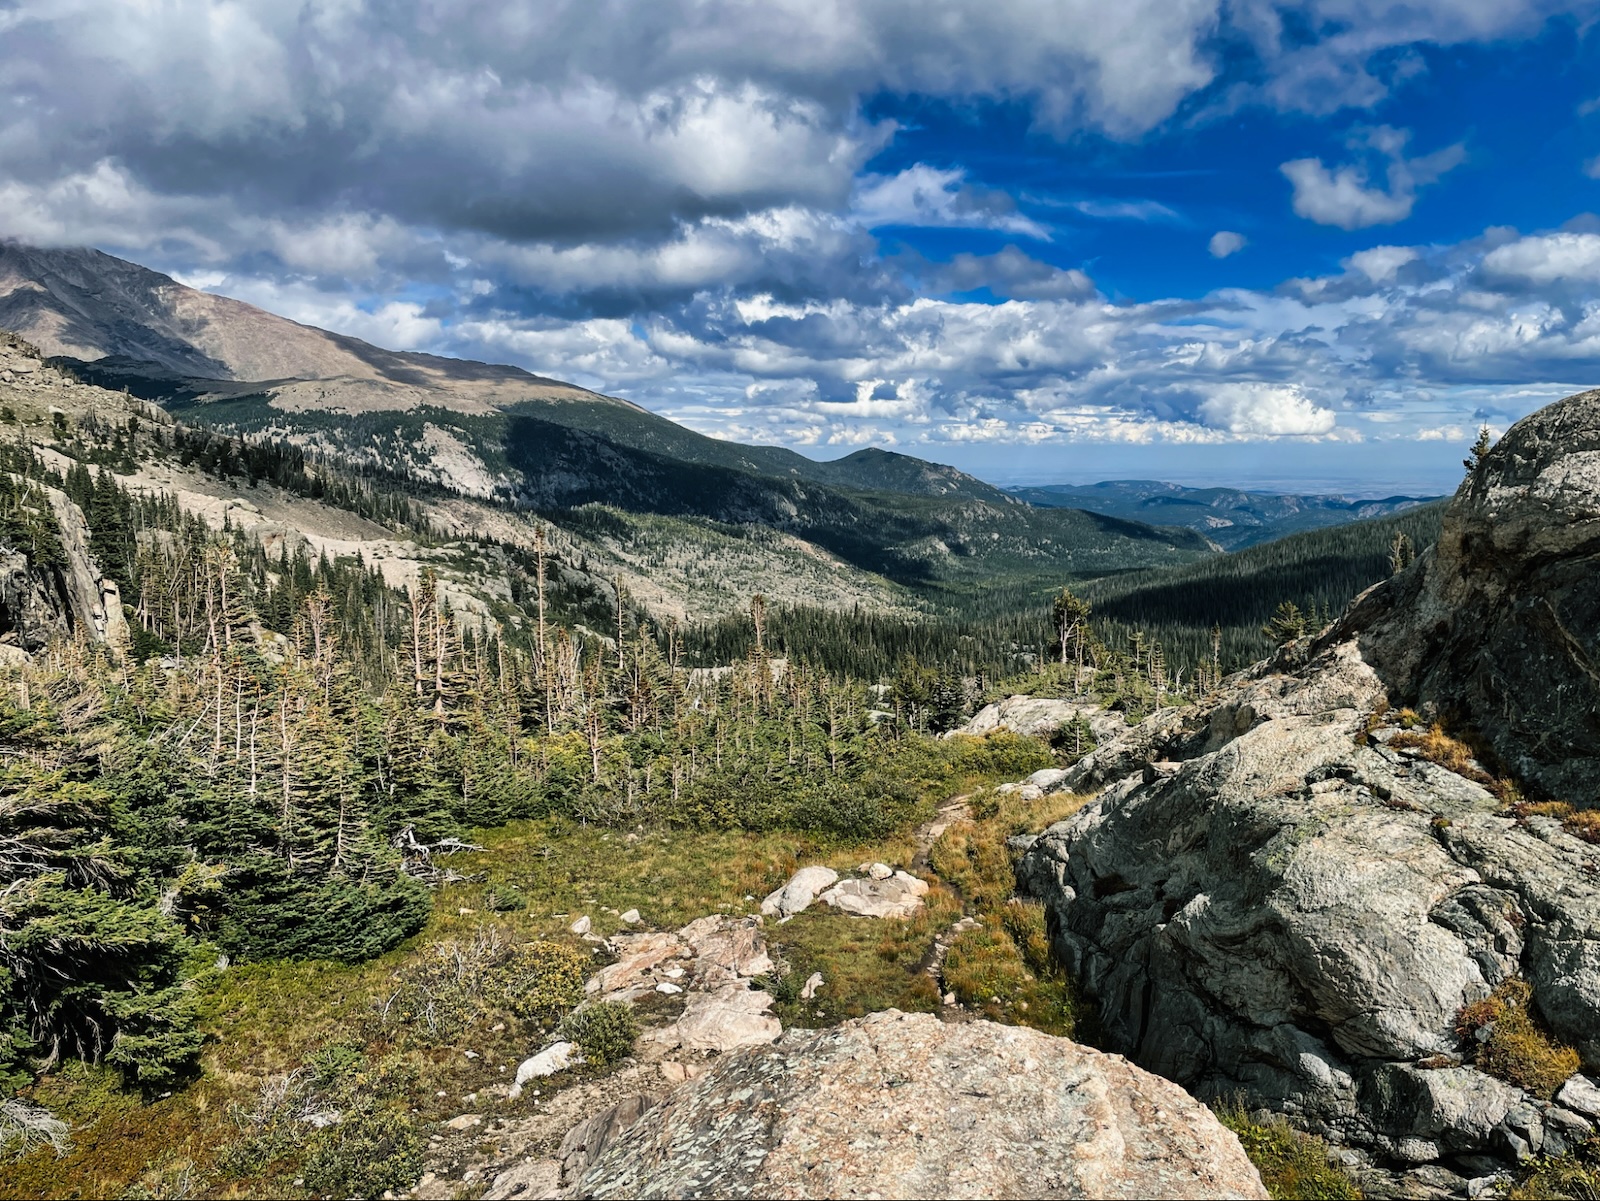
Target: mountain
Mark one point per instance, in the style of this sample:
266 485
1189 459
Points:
510 442
1230 517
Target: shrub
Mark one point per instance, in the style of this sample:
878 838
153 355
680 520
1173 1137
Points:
541 981
365 1155
1292 1164
1504 1040
24 1127
606 1031
462 981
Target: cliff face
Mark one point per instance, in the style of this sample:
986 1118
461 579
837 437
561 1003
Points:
39 601
1276 896
1499 628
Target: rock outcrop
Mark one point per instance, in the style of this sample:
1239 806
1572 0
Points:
1275 897
1040 717
712 962
876 890
40 600
903 1105
1496 627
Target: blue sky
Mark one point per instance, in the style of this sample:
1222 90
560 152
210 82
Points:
1219 241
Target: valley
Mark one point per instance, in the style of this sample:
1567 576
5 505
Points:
368 756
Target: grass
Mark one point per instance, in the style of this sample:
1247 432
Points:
1293 1165
1571 1177
1580 823
1505 1041
1452 754
1004 968
271 1023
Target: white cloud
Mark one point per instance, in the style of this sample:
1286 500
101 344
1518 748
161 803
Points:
1127 210
1548 259
1265 410
1380 263
1345 195
1592 167
931 196
1225 242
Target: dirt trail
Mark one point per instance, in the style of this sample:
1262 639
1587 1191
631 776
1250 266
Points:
952 811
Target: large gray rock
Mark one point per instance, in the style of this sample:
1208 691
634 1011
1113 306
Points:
799 891
898 895
1269 901
1499 627
1040 717
904 1105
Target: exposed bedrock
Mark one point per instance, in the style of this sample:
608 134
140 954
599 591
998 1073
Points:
1268 899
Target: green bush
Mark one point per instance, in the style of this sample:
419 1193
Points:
541 981
503 898
365 1156
1571 1177
605 1031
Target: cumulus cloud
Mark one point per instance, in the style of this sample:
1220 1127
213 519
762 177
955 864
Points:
1268 410
1346 197
1380 264
670 200
1010 273
1547 259
1225 242
1592 167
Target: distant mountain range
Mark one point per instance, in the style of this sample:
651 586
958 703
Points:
1230 517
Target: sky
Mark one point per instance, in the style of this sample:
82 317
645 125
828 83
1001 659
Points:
1248 242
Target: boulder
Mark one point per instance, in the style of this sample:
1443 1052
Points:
557 1057
1040 717
801 889
725 949
1582 1095
733 1016
899 896
1271 899
904 1105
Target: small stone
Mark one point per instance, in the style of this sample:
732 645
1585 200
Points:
668 987
673 1072
632 917
465 912
470 1054
809 989
880 871
949 998
465 1121
582 926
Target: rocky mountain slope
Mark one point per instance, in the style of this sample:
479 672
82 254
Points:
502 435
1231 517
1290 894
